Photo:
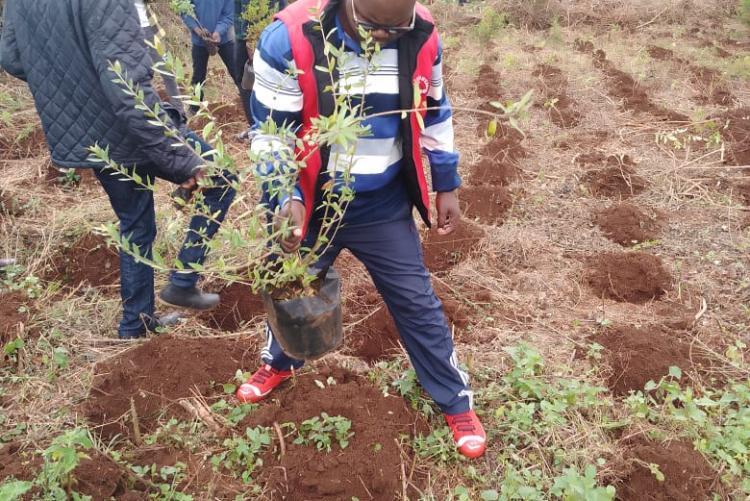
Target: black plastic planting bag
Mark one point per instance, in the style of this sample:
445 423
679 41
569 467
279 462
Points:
309 327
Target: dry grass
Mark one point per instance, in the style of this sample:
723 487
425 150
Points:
532 265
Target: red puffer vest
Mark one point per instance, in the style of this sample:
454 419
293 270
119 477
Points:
417 51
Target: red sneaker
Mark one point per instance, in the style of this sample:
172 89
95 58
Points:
261 384
468 434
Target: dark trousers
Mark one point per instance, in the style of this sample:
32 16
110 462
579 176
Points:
392 254
201 57
240 58
134 207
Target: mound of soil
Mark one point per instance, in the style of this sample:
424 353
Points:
553 87
599 158
84 177
488 86
626 224
89 261
660 53
369 468
737 134
156 375
619 182
27 144
238 306
687 474
376 338
493 173
487 204
443 252
583 46
460 311
97 476
636 356
10 316
9 205
633 277
505 145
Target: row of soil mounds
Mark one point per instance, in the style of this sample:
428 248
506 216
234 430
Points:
157 374
553 87
621 85
708 81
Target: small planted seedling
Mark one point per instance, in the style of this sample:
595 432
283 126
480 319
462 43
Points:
323 430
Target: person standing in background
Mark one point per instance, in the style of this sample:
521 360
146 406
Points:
211 29
151 28
243 60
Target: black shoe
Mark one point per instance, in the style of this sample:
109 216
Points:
192 298
154 325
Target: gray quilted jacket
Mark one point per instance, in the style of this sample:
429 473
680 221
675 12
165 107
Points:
62 49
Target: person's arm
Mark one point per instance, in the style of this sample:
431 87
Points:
10 58
114 37
226 20
437 136
191 22
277 98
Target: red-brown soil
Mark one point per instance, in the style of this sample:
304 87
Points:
156 375
493 173
633 277
443 252
10 317
97 476
376 338
487 204
498 165
488 86
618 182
86 177
687 474
633 95
89 261
553 87
238 306
636 356
708 81
599 158
24 145
627 225
460 304
369 468
584 46
737 135
9 205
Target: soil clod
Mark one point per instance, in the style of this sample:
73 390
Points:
633 277
627 225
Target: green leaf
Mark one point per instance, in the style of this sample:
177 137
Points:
14 489
675 372
490 495
229 388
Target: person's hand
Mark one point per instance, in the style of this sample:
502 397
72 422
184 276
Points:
192 183
449 212
293 212
216 37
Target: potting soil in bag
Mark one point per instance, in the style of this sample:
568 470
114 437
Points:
308 327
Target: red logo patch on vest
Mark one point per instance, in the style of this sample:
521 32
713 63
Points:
423 83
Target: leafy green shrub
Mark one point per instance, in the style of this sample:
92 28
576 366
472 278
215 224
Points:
492 22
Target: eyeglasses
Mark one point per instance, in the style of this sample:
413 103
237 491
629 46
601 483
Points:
391 30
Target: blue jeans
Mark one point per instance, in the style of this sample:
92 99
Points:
134 207
392 253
